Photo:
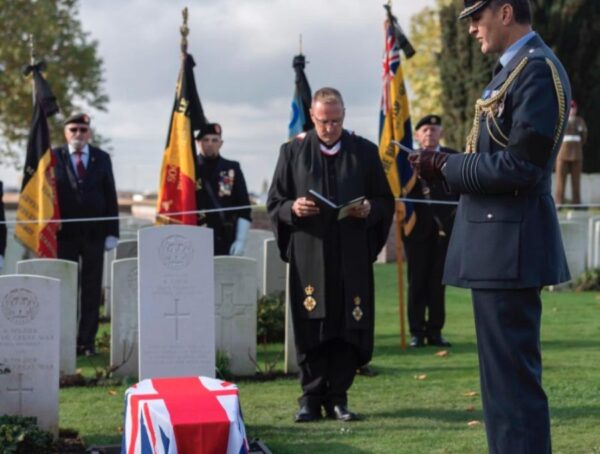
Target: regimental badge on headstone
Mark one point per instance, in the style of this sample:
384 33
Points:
357 312
309 302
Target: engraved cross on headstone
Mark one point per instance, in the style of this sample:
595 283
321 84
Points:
177 315
20 390
228 311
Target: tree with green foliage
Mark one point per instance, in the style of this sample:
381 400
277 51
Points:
74 70
421 71
572 29
464 72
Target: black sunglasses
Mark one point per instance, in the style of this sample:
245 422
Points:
82 130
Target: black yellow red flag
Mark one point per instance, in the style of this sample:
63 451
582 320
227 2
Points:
177 188
38 200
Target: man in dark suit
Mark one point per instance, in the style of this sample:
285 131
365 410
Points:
426 246
86 189
331 275
506 242
220 183
2 228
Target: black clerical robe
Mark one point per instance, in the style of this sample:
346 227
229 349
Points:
331 275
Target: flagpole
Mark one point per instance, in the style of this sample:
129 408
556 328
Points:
32 62
185 31
400 216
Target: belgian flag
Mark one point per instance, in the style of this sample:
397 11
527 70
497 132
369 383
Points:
38 200
177 188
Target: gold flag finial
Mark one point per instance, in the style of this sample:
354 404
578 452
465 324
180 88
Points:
185 31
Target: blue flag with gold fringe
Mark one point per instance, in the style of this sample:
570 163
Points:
394 123
300 116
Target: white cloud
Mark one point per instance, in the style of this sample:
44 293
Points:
243 50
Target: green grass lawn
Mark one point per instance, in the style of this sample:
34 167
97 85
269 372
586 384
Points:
418 402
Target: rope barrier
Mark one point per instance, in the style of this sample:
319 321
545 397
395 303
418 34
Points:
245 207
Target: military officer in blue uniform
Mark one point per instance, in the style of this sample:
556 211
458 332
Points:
220 184
506 242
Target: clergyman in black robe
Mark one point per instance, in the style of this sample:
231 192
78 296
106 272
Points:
331 275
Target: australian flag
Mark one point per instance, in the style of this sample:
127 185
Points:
185 415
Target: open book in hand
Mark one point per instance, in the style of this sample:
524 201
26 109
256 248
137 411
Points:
326 205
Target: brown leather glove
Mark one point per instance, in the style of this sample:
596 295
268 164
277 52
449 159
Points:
428 164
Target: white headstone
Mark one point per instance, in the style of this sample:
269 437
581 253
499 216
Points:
176 310
575 241
126 249
29 348
290 365
109 256
595 252
592 241
124 322
274 276
66 272
235 310
255 245
13 253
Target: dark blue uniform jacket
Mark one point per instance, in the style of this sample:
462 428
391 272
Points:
506 232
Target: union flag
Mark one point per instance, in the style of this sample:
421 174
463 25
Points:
186 415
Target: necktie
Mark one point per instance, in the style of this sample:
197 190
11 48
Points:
79 165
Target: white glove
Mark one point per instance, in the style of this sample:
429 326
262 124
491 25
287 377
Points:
1 262
241 232
110 243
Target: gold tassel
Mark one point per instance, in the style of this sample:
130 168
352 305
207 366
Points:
486 107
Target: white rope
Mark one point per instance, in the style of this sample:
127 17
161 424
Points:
123 218
244 207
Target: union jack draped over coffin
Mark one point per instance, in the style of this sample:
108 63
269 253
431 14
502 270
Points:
185 415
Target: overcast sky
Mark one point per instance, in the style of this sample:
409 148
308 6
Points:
243 51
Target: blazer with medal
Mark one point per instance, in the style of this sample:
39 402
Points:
506 232
228 186
95 197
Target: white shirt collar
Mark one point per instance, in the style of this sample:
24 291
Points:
85 150
331 151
